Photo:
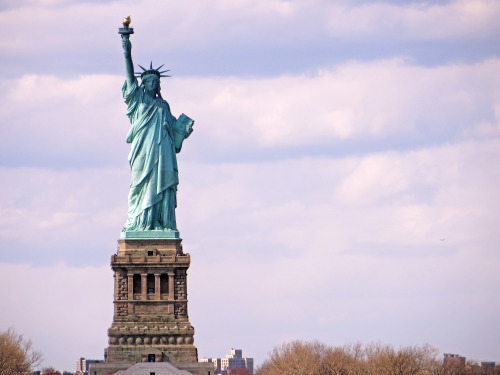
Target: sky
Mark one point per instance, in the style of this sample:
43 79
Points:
341 183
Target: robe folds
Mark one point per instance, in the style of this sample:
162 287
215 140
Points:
155 137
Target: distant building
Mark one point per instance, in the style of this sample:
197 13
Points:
215 361
82 365
453 360
233 360
481 368
456 362
488 365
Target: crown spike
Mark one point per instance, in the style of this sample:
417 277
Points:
152 70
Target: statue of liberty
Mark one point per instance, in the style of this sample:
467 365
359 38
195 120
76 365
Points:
155 137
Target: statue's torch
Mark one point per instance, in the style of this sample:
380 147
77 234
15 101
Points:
125 31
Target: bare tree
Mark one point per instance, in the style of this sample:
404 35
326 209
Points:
16 354
295 358
408 360
346 360
303 358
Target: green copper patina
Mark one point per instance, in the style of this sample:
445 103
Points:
155 137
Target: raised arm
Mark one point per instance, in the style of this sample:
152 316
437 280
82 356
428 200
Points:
129 65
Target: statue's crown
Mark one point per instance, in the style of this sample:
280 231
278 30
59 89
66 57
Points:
151 70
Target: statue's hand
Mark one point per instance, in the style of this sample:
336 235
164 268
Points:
127 46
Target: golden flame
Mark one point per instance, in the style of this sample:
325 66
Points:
126 21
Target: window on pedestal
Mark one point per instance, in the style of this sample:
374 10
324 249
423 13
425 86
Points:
163 284
137 284
151 284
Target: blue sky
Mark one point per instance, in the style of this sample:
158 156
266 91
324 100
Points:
341 183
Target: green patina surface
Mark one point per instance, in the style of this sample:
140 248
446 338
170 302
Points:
149 234
156 136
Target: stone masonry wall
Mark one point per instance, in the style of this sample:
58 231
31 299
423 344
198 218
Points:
121 292
180 308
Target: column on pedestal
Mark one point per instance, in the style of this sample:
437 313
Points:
157 286
130 280
171 285
144 286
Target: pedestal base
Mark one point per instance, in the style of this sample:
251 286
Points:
199 368
150 322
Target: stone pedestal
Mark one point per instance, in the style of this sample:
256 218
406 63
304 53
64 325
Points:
150 322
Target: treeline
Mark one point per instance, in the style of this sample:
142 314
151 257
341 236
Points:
315 358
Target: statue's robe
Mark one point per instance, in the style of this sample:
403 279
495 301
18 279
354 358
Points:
155 136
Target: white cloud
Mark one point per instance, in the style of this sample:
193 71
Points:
396 200
419 21
64 310
47 117
81 121
352 102
72 216
74 30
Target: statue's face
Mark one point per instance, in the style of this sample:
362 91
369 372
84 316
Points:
152 85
